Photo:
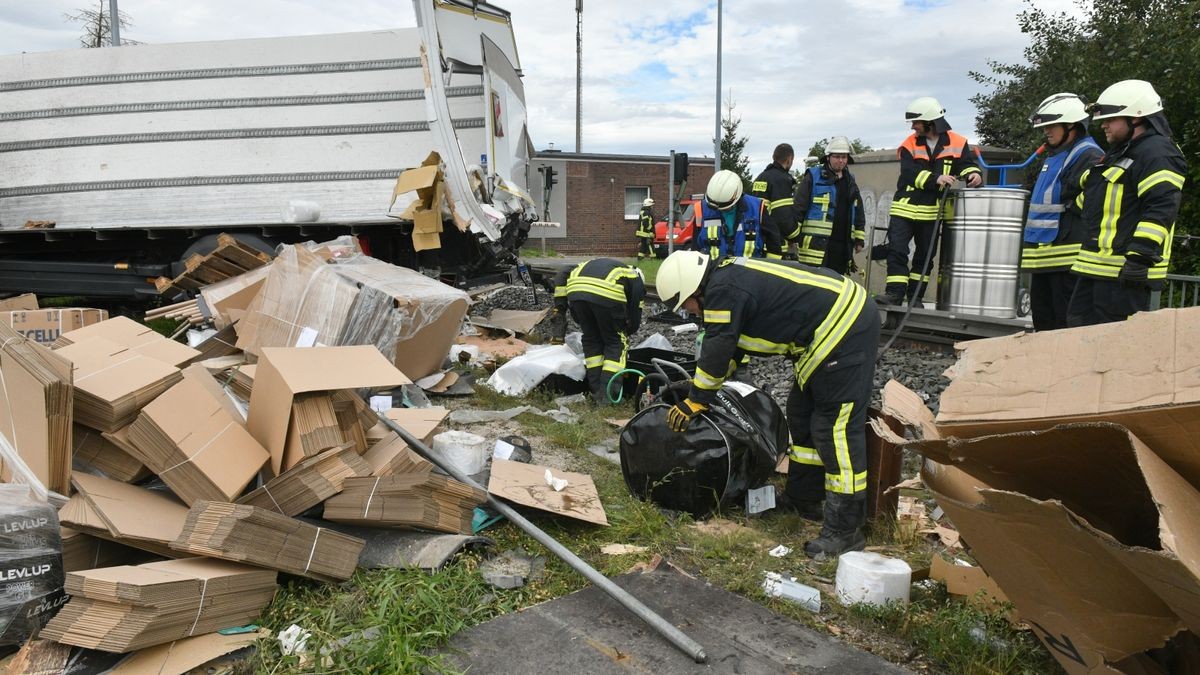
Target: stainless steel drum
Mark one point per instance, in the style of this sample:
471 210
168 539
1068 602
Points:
981 252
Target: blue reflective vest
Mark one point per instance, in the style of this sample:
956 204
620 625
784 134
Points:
744 241
818 221
1045 205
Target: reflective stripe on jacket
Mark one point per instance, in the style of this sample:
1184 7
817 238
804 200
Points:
916 189
717 241
764 308
1129 202
1052 229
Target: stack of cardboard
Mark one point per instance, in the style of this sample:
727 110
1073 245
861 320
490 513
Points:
259 537
195 445
1068 462
120 609
354 418
82 551
315 423
36 403
230 259
95 450
424 500
389 454
127 514
138 338
409 317
112 383
309 483
284 374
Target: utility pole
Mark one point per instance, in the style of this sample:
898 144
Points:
717 128
578 75
114 23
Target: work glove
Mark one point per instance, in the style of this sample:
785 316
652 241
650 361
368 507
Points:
681 414
1134 273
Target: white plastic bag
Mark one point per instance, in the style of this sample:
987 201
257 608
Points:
522 374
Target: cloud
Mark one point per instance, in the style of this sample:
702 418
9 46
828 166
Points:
797 71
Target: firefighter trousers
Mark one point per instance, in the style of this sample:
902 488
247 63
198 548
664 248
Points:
604 343
645 249
1097 301
827 419
904 280
1049 296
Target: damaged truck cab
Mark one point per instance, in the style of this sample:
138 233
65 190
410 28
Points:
117 164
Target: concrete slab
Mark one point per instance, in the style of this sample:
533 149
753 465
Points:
588 632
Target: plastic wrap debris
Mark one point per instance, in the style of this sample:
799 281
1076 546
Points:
574 341
475 416
301 211
559 484
520 375
354 300
685 328
465 451
778 586
472 351
779 551
656 341
31 572
293 640
195 337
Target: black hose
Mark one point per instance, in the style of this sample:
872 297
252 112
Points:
937 228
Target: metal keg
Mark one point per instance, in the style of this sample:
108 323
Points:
981 252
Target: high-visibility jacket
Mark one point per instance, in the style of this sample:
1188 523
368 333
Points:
916 194
817 198
1053 229
770 307
776 186
1129 203
718 241
603 281
646 223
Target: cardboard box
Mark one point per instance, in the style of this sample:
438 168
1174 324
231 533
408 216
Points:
1143 374
227 300
122 513
23 301
195 445
282 373
1088 531
44 326
138 338
425 211
36 412
113 383
307 301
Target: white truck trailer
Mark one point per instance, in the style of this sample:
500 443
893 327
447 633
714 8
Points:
141 155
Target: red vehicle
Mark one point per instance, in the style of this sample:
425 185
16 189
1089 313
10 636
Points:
686 226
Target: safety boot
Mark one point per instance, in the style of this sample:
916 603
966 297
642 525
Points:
894 299
807 509
842 529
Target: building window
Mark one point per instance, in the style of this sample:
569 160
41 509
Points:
634 196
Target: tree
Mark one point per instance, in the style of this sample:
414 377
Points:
1153 40
96 30
733 147
857 147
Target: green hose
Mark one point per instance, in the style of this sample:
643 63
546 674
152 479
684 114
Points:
621 391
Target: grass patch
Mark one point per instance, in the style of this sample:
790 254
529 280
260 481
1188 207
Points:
958 636
537 252
165 327
648 266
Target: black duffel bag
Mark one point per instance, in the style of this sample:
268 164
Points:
732 447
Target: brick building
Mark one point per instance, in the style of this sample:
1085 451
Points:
598 198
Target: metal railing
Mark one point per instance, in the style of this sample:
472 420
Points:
1180 290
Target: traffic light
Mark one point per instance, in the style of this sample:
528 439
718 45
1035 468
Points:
550 177
679 172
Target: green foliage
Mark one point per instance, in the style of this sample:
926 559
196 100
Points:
857 146
1153 40
733 146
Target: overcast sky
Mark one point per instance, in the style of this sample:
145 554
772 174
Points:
797 70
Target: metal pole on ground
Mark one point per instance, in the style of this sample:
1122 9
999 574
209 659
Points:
660 625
